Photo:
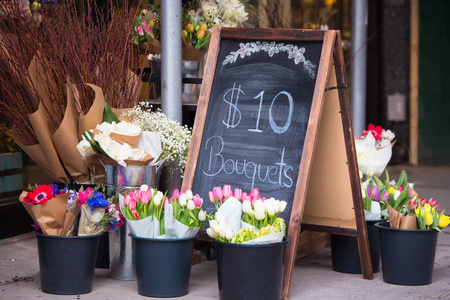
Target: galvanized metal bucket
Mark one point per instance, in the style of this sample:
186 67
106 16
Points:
122 264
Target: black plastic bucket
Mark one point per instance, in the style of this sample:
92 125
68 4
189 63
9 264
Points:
345 255
250 271
163 266
67 263
407 256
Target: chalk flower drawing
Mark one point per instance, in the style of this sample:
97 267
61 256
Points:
272 48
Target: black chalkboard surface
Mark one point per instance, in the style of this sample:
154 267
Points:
257 118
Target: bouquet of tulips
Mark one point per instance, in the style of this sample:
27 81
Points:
245 218
375 197
406 210
151 214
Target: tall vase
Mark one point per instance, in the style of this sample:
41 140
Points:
250 271
67 263
407 256
122 264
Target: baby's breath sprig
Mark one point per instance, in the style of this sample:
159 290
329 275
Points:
175 138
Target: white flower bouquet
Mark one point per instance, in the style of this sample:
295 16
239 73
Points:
374 150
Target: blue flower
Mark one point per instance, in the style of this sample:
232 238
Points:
97 201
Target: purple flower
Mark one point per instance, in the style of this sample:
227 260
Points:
385 196
375 193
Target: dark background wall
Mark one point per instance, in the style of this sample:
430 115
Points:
434 81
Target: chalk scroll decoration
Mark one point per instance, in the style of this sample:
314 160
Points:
272 48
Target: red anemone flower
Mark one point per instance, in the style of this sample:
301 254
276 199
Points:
40 195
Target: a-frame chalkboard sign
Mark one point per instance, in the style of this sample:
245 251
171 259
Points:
274 113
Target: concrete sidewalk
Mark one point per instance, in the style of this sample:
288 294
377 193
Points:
313 276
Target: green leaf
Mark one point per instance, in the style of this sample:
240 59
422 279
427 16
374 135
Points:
109 116
89 136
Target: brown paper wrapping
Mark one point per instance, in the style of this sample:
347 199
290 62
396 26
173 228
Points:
39 122
52 216
397 220
66 139
33 151
189 52
95 114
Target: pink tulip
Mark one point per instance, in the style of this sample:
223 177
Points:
254 193
217 193
145 196
433 203
175 194
263 199
237 194
227 191
211 197
135 214
197 200
132 204
139 30
244 196
126 200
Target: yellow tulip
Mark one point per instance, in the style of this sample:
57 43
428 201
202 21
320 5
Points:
203 26
428 218
391 190
444 221
200 34
185 33
427 207
417 211
190 28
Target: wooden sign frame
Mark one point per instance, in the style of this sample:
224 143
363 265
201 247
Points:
329 131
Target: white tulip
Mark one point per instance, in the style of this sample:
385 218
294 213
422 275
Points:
211 233
223 231
397 194
144 187
201 215
270 210
157 199
189 194
182 200
282 206
247 207
259 210
190 205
